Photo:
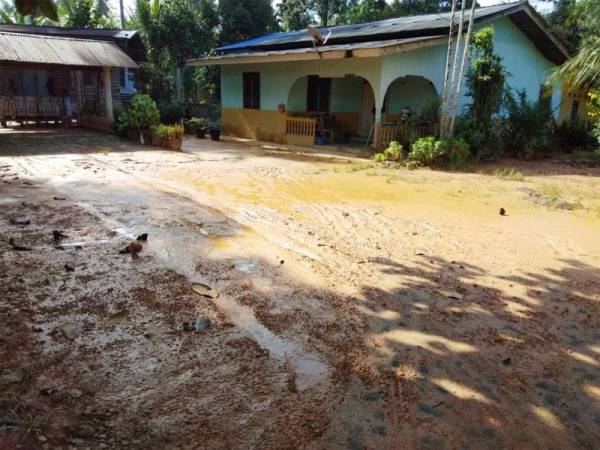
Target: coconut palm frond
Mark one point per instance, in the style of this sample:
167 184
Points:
583 70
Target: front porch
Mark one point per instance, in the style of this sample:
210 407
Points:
40 94
355 103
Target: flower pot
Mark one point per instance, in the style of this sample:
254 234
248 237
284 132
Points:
173 144
215 134
200 132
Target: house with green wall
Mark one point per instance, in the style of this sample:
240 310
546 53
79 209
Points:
372 80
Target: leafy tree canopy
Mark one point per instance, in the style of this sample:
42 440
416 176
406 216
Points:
245 19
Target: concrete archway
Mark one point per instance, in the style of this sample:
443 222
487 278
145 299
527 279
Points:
350 100
408 95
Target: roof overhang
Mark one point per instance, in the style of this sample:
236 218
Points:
359 50
37 49
397 36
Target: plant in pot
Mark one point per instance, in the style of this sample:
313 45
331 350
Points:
168 136
199 126
215 130
174 137
141 116
159 135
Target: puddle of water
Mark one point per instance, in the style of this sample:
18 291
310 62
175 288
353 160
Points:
176 253
309 368
244 265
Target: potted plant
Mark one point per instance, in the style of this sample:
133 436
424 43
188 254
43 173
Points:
168 136
141 116
215 130
159 135
199 126
174 137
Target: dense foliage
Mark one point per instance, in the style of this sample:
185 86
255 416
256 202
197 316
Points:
583 70
527 125
392 153
485 83
142 114
431 152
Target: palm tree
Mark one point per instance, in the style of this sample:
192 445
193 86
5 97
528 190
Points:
583 70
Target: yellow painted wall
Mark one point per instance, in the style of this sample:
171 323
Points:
566 105
270 125
254 124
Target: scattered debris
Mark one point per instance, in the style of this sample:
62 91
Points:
75 393
20 222
502 212
133 249
59 198
69 332
15 375
69 268
507 361
202 323
58 236
205 290
142 237
452 294
18 247
116 318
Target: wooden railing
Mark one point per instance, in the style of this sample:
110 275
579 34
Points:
301 130
30 108
389 133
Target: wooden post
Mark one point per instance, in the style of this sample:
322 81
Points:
377 135
108 93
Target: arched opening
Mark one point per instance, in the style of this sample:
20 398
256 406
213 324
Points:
409 109
409 98
342 109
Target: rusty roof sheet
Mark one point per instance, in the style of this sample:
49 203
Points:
36 49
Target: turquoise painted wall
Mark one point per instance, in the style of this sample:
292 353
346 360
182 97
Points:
297 98
346 94
278 79
527 67
410 92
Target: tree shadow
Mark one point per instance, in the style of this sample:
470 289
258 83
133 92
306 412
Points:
432 354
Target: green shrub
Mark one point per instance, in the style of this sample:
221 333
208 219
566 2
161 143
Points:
429 152
197 124
171 112
456 152
573 134
141 114
527 125
425 152
392 153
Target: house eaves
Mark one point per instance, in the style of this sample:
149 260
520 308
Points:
343 51
521 13
38 49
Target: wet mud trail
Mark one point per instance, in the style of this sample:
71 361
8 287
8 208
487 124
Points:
356 307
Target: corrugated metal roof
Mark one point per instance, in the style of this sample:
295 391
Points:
317 52
102 34
415 25
37 49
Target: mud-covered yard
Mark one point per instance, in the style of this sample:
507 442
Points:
288 300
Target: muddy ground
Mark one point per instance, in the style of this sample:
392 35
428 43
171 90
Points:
353 306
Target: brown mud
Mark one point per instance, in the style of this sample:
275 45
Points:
352 306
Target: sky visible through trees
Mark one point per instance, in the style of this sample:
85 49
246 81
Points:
541 6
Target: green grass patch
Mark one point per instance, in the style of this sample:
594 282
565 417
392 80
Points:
509 173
